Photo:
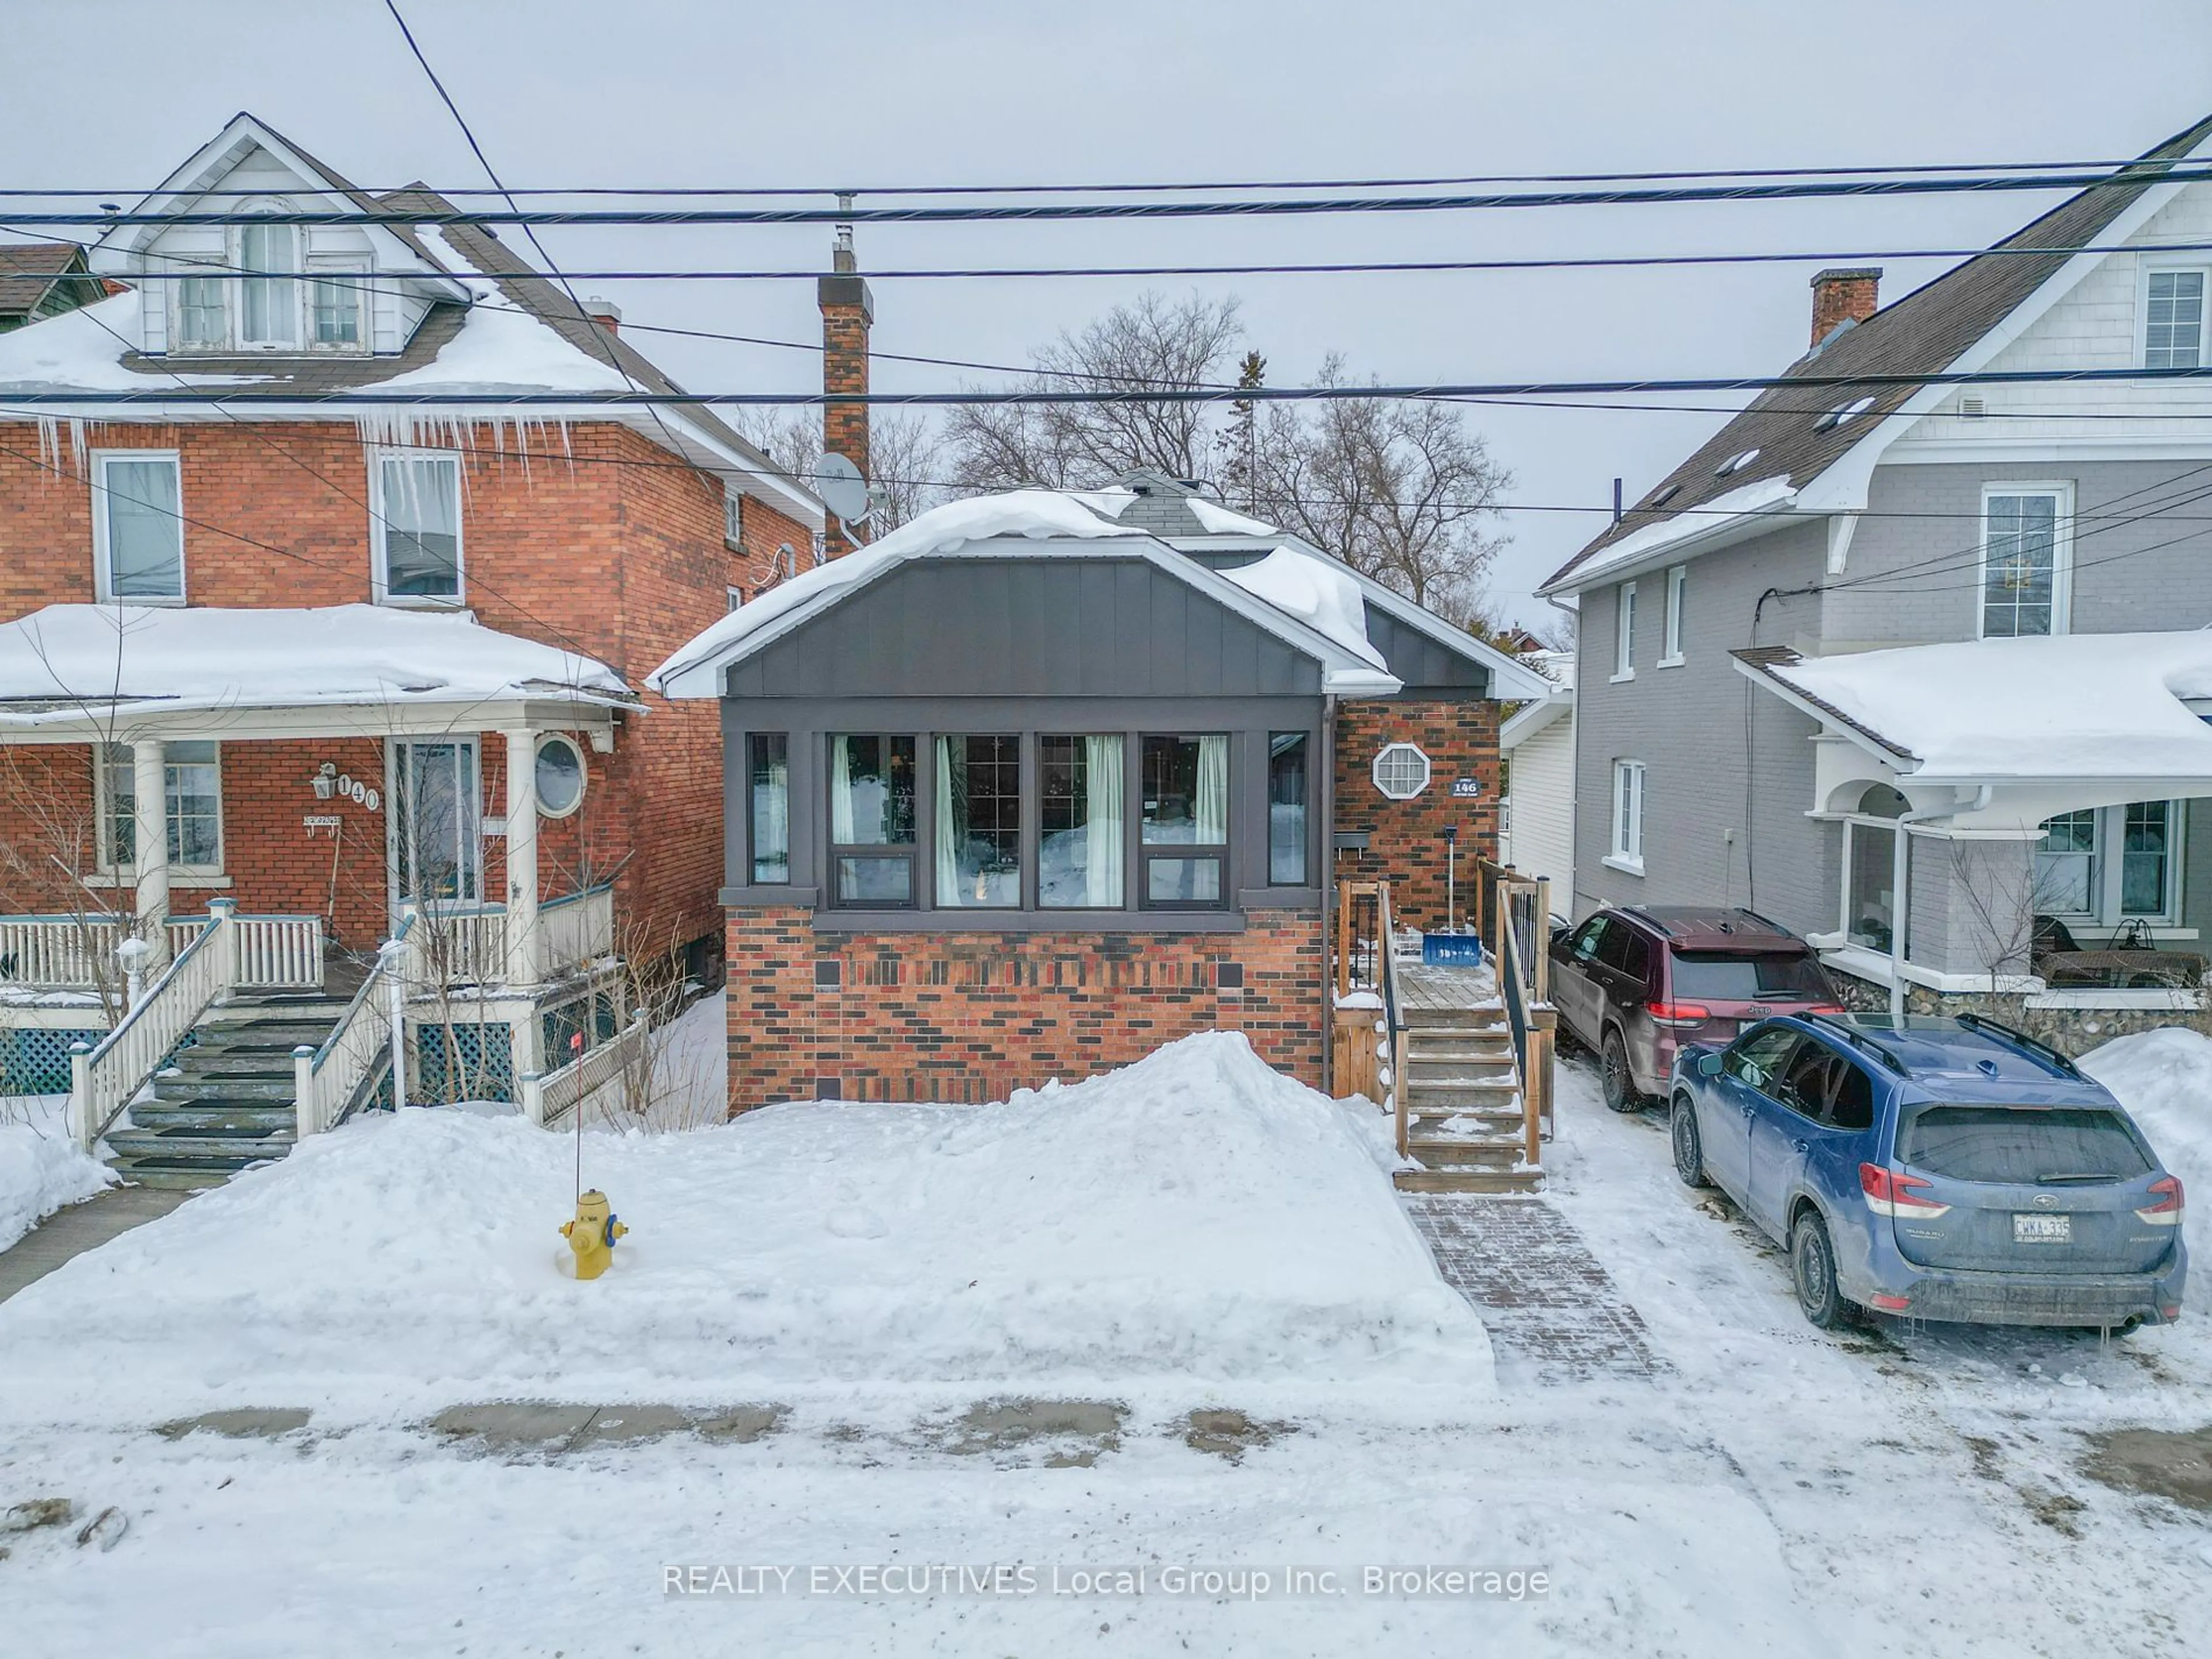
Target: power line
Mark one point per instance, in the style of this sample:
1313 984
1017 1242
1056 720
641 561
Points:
1442 390
1881 170
2134 177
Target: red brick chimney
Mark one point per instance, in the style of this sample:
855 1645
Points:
1844 296
605 312
848 310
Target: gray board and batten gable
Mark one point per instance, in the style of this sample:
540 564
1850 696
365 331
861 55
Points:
1094 627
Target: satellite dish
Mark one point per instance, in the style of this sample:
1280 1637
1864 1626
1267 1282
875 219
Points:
842 488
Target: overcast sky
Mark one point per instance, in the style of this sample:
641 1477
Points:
112 94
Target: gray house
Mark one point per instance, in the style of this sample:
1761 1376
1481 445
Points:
1912 666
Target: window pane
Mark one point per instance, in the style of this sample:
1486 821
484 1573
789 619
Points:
865 880
145 533
1182 881
872 791
1186 791
421 527
2143 845
199 312
2066 865
122 804
1080 839
1286 808
771 806
195 805
1868 897
2174 331
269 306
2020 572
338 308
979 822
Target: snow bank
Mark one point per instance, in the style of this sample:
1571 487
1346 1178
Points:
40 1166
1039 514
1219 520
2163 1079
83 350
2076 705
205 656
1196 1216
1322 597
1695 520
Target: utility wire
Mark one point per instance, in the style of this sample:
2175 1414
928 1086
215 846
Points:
2136 176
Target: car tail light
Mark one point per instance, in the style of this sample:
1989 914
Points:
1881 1303
1827 1008
1678 1013
2166 1212
1888 1192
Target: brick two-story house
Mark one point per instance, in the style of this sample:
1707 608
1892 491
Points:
1918 666
305 666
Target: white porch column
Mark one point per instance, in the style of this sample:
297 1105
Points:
150 832
522 952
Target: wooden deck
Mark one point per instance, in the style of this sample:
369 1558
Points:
1446 989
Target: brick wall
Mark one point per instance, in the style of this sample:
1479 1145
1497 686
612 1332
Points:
598 541
972 1017
1405 844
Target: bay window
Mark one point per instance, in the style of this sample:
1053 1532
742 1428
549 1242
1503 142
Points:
2107 866
1186 818
872 820
1082 822
1871 909
978 827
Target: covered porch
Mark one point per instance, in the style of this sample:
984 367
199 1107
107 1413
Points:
207 806
2011 821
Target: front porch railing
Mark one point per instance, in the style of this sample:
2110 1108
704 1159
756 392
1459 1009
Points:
77 953
467 944
547 1099
105 1078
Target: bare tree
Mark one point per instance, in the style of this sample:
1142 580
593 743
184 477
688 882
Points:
905 458
1402 491
1151 344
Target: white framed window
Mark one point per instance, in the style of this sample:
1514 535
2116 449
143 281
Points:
2105 866
2026 577
1677 582
203 316
1627 816
1624 632
337 307
736 598
2174 314
269 299
192 773
732 517
416 527
138 526
1401 771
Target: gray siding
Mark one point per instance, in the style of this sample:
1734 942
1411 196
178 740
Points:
1425 664
1729 772
1009 627
1923 525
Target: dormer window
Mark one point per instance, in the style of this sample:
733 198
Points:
268 308
271 290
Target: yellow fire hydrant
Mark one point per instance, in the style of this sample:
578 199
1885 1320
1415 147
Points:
593 1234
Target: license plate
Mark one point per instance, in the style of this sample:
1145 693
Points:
2043 1230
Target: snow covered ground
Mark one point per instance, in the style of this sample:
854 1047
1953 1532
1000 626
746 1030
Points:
1772 1490
40 1166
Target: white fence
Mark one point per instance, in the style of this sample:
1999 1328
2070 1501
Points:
77 953
466 945
547 1099
103 1080
279 953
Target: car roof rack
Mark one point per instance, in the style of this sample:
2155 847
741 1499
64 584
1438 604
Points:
1850 1033
2042 1051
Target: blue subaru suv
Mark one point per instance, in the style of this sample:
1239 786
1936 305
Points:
1934 1169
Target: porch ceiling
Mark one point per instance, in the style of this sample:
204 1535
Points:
81 672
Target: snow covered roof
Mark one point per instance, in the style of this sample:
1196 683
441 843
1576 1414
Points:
60 662
2081 706
1305 600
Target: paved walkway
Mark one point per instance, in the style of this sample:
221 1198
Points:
68 1233
1546 1301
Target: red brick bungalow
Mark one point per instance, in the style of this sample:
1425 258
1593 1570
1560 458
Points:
1042 780
297 664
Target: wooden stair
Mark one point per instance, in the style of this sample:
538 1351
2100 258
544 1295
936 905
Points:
1463 1111
225 1102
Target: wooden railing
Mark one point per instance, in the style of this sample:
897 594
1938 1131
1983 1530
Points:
328 1082
546 1099
1513 915
1369 1027
103 1080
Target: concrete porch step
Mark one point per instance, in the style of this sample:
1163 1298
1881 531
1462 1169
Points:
254 1117
196 1145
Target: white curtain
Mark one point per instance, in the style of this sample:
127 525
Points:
1212 807
1103 788
840 791
951 786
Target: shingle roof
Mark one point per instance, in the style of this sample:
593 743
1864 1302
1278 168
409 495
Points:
1924 332
28 269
